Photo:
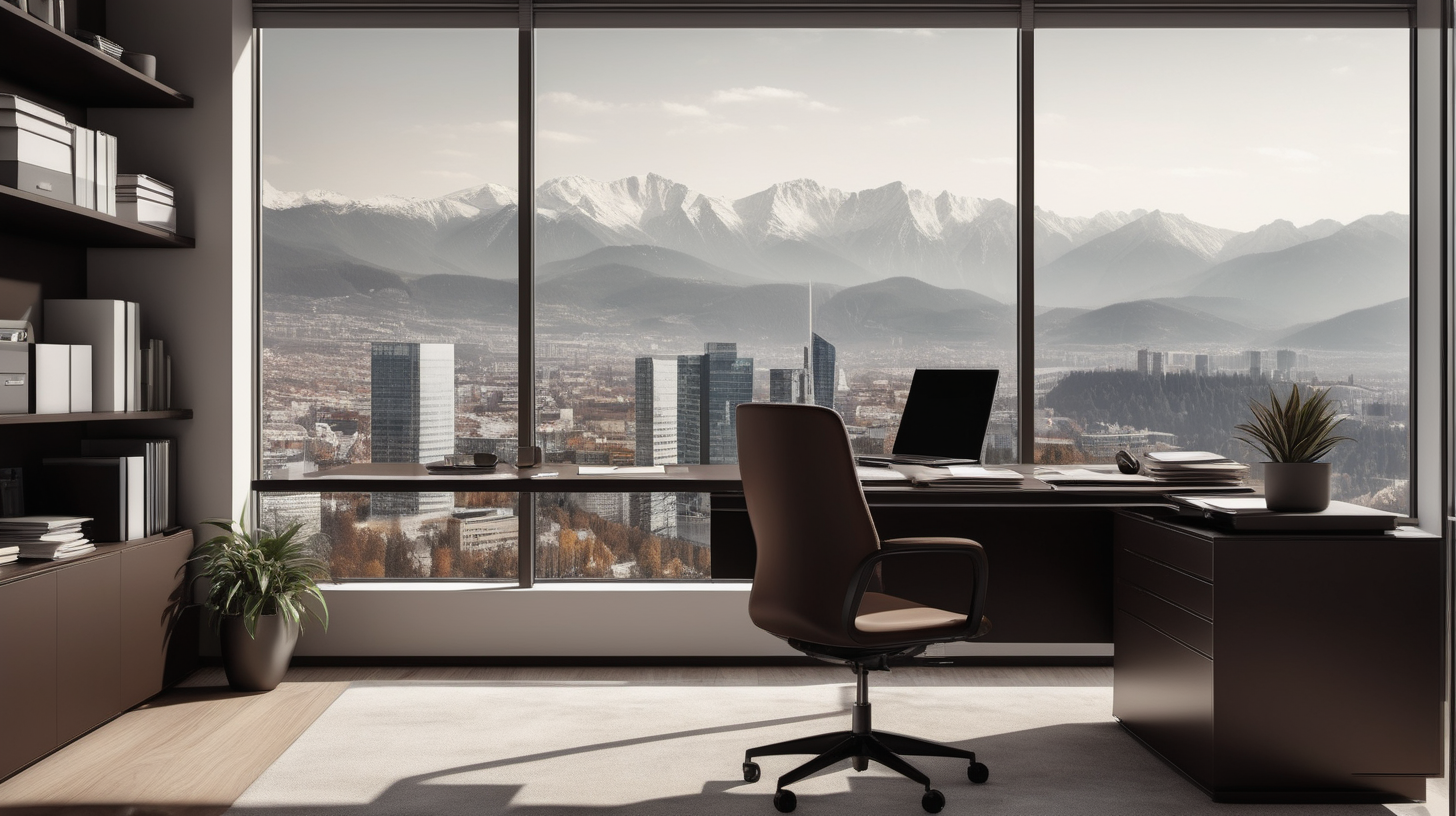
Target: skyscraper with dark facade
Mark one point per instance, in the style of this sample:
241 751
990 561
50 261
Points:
690 409
788 385
412 417
727 383
822 372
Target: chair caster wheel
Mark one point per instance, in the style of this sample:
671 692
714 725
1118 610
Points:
932 801
785 801
978 773
750 772
861 763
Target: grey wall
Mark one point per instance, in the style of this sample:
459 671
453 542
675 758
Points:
200 300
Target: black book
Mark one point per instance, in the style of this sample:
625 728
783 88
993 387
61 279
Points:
89 486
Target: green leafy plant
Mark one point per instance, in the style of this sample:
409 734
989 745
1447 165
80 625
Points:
1296 430
259 572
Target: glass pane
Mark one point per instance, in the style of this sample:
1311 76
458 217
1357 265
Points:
477 539
777 217
1222 212
388 295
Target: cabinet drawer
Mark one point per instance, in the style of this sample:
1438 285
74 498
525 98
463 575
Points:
1171 620
1185 552
1180 588
1162 691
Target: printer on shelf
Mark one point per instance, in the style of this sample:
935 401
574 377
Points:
16 338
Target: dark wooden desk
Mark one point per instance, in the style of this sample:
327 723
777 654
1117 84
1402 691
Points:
1281 667
1051 549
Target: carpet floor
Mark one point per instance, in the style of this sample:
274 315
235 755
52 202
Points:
610 748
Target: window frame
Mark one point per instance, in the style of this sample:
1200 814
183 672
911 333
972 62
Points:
1431 484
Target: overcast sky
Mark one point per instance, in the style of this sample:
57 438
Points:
1233 128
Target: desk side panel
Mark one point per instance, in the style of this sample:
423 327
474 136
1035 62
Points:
1329 661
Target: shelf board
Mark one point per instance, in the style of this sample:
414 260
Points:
30 214
99 416
60 65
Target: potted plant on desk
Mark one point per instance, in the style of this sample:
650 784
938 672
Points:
259 581
1294 434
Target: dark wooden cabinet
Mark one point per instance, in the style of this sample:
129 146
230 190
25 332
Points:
84 640
1281 668
88 638
153 626
27 670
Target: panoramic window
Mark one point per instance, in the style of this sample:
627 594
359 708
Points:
785 215
387 281
1221 212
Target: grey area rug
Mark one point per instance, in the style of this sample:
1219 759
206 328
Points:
610 749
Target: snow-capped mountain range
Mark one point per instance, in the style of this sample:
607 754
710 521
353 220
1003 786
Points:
801 230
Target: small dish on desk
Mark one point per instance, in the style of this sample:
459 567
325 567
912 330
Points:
464 463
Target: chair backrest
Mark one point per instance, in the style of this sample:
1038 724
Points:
809 519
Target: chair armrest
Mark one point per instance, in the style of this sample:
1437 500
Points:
964 548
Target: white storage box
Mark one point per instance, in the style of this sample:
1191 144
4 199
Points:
35 149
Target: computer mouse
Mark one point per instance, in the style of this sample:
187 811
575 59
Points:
1127 463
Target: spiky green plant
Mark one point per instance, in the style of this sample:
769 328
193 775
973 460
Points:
1296 430
259 572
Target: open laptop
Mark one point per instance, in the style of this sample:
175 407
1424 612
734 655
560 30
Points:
945 418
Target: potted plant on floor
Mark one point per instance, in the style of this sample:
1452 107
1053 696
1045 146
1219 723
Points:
1294 434
259 582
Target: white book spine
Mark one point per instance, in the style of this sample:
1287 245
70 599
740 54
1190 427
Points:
81 379
52 378
136 490
133 357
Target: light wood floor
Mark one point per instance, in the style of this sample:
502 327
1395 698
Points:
194 749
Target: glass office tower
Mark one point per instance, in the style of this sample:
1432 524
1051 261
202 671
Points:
727 383
656 411
412 397
823 372
690 409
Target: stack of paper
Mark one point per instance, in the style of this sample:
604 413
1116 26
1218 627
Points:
145 200
1194 467
966 476
49 538
8 555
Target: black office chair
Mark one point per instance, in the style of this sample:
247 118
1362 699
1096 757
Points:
817 578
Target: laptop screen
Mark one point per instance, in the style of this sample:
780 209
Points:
946 412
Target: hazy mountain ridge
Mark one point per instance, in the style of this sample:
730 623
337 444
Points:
801 230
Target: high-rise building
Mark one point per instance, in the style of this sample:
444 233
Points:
821 372
1286 360
727 383
412 397
1157 364
1200 364
1256 369
657 411
686 408
690 409
1143 362
788 385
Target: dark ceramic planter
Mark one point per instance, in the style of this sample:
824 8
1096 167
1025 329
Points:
257 663
1297 487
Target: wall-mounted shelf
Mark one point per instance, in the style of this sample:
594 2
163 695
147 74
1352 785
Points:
105 416
57 64
30 214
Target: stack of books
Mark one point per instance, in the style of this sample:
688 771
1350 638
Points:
49 538
100 43
1194 467
9 555
145 200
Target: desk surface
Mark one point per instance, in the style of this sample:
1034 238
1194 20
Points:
890 484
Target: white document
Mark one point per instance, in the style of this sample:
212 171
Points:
874 474
1088 476
978 472
52 378
613 470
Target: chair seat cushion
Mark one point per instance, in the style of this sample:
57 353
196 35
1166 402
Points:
879 612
